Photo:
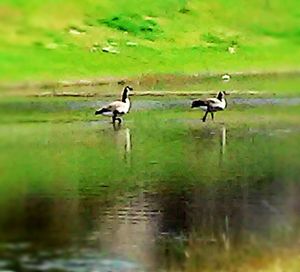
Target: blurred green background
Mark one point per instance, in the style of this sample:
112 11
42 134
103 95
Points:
52 39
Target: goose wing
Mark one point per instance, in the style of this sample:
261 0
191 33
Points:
212 101
217 104
116 105
119 106
113 106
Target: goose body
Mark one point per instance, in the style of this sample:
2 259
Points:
211 105
117 108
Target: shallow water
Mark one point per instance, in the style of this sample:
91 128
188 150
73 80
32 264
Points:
142 104
155 195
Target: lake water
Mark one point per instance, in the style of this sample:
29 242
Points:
162 192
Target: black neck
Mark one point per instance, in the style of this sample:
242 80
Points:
124 95
220 96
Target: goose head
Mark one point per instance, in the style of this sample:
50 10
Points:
221 95
127 89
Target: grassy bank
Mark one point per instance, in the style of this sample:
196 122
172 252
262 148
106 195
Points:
240 85
65 39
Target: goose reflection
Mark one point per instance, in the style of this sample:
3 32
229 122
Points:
131 228
123 140
223 143
223 140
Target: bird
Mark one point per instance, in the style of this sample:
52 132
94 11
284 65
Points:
211 105
226 77
117 108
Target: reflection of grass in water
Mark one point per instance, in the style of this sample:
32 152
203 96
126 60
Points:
170 151
159 139
209 254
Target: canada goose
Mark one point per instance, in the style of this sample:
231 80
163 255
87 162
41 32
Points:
211 105
117 108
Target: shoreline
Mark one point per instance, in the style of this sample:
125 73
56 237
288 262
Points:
144 79
144 93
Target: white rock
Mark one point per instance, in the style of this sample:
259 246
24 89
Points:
94 49
110 49
131 44
74 31
51 45
231 50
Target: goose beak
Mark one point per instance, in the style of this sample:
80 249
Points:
96 112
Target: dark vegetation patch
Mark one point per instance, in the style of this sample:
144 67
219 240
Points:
219 41
76 28
135 24
290 34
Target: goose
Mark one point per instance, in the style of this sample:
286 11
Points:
211 105
117 108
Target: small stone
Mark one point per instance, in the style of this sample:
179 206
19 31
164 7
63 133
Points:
231 50
93 49
76 31
109 49
51 45
131 44
106 49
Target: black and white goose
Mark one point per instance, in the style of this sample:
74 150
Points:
117 108
211 105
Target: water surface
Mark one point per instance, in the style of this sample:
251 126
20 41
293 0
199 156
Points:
161 192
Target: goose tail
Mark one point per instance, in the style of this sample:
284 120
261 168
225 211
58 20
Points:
198 103
103 110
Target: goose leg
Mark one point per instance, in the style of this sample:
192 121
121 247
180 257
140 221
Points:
205 115
119 120
212 115
114 117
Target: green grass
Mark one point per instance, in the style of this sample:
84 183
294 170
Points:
173 36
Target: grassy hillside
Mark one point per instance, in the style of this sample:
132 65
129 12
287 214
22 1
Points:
53 39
